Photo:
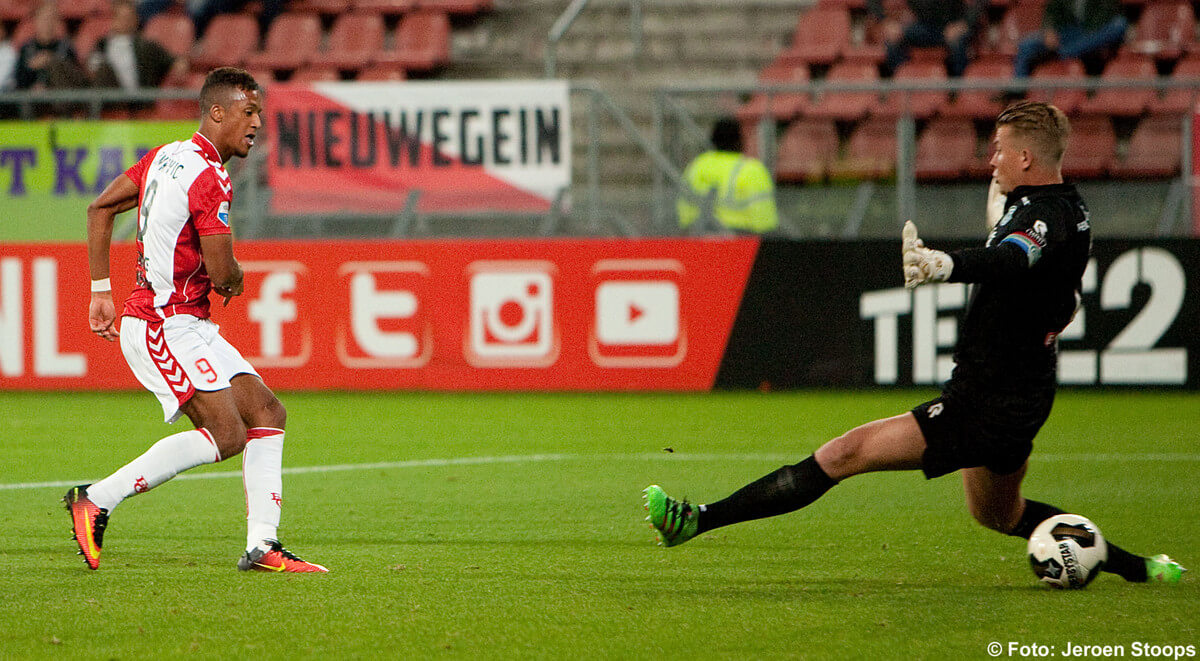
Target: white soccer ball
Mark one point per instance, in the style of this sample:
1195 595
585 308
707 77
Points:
1067 551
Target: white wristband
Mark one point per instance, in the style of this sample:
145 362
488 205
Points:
101 285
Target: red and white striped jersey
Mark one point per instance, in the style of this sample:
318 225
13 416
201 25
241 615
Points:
183 194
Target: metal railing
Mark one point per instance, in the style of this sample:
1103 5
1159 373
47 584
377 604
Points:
567 19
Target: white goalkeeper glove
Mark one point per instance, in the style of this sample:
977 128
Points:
921 264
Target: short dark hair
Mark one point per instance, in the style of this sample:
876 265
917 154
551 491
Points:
727 134
1041 123
220 82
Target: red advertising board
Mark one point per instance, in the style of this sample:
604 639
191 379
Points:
438 315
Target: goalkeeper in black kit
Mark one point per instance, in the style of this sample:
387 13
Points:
1027 280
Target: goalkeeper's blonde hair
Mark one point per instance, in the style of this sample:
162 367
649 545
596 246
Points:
1042 124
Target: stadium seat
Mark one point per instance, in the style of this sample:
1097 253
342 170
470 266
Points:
1123 102
945 149
422 42
847 105
1093 148
980 104
1164 30
820 36
354 42
227 41
1154 150
16 10
381 73
323 7
88 33
82 9
292 40
315 74
870 152
179 108
175 32
922 105
1179 101
385 7
782 105
1020 19
1068 100
455 6
805 150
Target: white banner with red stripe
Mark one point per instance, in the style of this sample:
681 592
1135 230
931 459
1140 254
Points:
462 146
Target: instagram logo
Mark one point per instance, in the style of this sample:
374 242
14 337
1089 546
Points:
512 315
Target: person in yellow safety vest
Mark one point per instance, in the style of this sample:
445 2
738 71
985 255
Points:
739 186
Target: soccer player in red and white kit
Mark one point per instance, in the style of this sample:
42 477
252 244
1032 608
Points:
185 250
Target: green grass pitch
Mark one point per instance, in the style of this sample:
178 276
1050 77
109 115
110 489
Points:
511 525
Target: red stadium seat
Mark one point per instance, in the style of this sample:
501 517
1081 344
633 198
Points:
870 152
945 149
782 105
82 9
805 150
229 39
1092 150
1067 100
323 7
385 7
1154 150
292 40
354 42
89 32
1020 20
819 38
846 105
174 32
181 108
1123 102
315 74
1179 101
455 6
422 42
16 10
381 73
980 104
921 105
1164 30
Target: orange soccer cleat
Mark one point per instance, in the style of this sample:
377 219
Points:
88 523
276 559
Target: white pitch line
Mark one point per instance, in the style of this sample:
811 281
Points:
644 456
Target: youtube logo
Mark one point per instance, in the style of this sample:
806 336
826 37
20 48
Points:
637 321
637 312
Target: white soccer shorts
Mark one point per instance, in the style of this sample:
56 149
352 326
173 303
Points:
178 356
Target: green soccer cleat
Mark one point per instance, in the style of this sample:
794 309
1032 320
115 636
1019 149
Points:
1162 569
675 520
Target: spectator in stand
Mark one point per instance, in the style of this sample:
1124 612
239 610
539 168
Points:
48 60
739 186
8 61
127 60
203 11
935 23
1072 29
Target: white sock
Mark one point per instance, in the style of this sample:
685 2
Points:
163 461
262 476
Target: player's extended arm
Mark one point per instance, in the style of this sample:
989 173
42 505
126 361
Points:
223 268
120 195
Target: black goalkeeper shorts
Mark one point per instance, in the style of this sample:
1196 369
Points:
965 428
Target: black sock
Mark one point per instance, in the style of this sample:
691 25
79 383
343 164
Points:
785 490
1120 562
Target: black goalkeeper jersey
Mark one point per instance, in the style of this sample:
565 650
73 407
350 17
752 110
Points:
1026 281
